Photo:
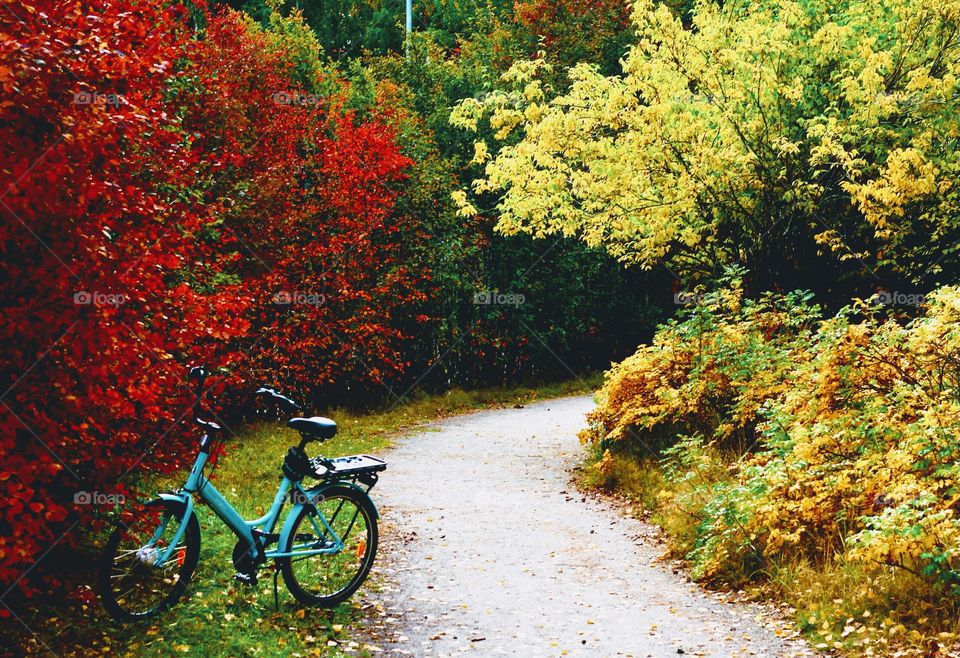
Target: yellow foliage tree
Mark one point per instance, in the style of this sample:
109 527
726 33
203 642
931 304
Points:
765 132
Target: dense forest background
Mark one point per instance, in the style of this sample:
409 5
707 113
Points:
267 189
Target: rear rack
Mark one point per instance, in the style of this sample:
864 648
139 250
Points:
362 468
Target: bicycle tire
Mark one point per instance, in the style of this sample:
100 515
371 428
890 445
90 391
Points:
304 594
187 564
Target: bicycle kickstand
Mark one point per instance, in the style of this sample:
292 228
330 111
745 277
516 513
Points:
276 595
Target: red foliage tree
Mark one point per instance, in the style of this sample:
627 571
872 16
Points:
156 197
311 193
574 31
93 232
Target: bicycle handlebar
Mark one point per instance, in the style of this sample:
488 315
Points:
200 374
283 399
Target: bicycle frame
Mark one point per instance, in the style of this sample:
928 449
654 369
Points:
324 493
244 530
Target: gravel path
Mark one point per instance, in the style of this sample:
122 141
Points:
489 550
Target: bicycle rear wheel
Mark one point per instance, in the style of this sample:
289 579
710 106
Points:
132 587
328 579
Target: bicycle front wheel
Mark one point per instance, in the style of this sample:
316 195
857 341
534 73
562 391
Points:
133 586
343 524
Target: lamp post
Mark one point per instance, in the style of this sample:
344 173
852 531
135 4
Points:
409 27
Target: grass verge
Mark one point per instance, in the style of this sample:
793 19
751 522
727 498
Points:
218 617
838 605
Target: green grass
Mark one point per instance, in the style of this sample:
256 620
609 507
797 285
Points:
222 618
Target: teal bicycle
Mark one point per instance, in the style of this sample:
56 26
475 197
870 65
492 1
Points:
324 549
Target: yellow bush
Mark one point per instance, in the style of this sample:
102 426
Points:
846 432
863 450
708 374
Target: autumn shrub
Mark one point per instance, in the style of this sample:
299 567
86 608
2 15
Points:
170 197
860 453
844 462
309 222
707 373
95 226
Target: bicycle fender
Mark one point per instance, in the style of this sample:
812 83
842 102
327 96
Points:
174 497
186 500
313 491
183 498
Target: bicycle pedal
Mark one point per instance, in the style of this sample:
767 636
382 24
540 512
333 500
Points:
245 578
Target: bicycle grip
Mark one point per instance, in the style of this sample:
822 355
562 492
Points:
200 374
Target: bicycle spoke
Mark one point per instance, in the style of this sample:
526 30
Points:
132 585
340 522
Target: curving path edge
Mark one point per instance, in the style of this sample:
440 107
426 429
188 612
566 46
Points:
489 550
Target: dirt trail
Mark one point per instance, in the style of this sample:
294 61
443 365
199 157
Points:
490 551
